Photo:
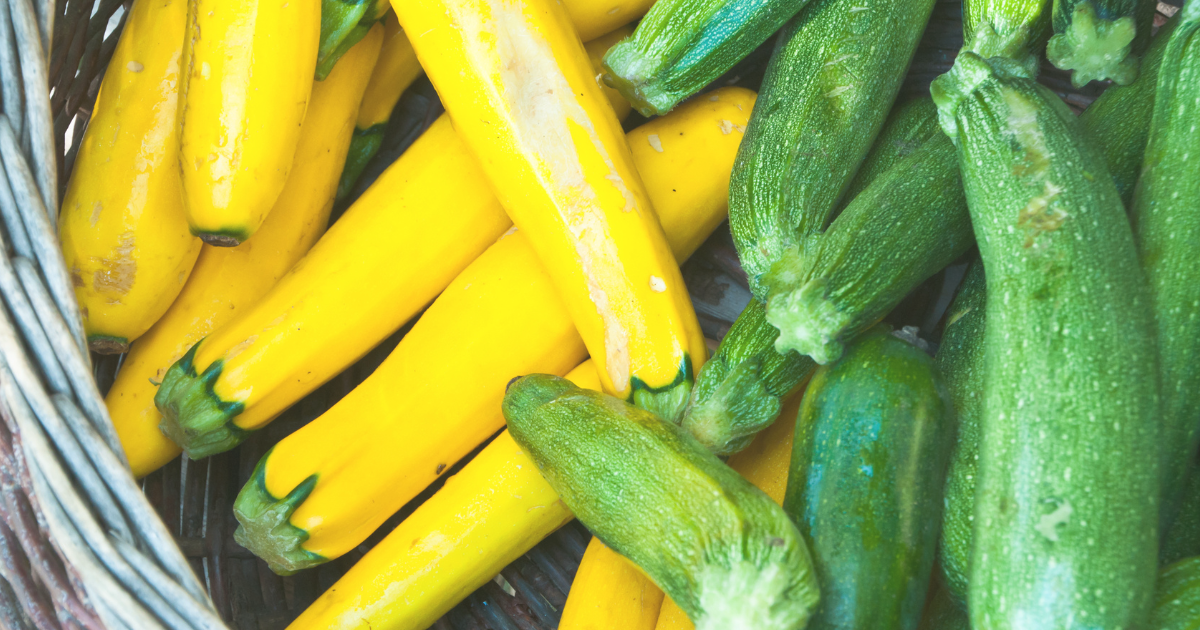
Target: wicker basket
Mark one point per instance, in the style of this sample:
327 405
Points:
82 545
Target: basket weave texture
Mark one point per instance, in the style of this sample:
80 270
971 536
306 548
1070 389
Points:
82 545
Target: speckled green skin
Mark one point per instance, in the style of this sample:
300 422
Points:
364 144
909 223
1066 516
960 359
1120 119
1182 539
264 527
1006 28
1177 597
681 46
943 613
193 416
1095 39
827 91
1166 215
721 548
740 390
873 438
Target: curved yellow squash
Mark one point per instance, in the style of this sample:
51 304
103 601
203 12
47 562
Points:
438 394
396 70
491 512
593 18
610 592
247 74
226 280
765 463
123 229
517 82
423 220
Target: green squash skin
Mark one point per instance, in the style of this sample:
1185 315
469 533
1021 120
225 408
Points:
960 360
740 390
339 19
364 144
721 548
1166 216
1006 28
681 46
907 225
1177 597
828 89
943 613
1099 39
1119 120
1066 515
873 438
1182 539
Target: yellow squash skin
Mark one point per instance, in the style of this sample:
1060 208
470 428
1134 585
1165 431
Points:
396 70
226 280
415 400
610 592
593 18
497 508
765 463
247 74
123 229
388 256
517 82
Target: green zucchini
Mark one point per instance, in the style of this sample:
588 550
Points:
740 389
1067 501
1166 216
1177 597
1094 39
1182 538
343 24
681 46
907 225
1120 119
872 441
364 144
828 88
719 547
943 613
960 359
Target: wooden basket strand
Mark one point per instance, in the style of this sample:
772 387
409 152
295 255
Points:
81 546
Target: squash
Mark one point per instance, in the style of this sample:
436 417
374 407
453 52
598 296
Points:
247 71
524 98
123 229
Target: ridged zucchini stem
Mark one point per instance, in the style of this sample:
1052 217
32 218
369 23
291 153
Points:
1006 28
1166 213
1094 38
1066 304
344 24
680 46
266 530
193 416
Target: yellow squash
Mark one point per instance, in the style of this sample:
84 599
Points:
593 18
437 396
226 280
517 82
765 463
610 592
427 216
123 229
247 74
497 508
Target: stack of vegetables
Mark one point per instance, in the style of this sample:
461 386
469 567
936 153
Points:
820 469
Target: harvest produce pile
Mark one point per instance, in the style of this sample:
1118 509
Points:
1034 468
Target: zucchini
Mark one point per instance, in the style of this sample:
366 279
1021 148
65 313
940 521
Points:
943 613
1182 539
1177 597
343 24
872 441
719 547
1006 28
738 392
1166 216
1120 119
1094 39
960 359
681 46
1069 481
862 266
828 89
